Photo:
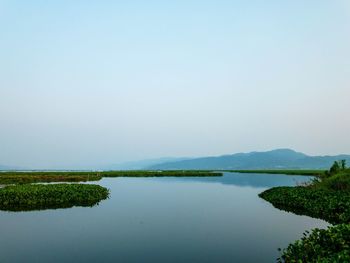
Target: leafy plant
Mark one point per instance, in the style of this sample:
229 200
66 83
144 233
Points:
48 196
327 198
332 206
321 246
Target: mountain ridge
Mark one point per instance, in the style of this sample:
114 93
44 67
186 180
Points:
274 159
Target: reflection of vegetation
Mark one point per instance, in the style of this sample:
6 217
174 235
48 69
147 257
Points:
36 177
37 197
328 198
287 172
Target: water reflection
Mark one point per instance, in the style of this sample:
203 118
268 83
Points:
251 180
160 220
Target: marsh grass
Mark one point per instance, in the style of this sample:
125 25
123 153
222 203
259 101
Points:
47 177
286 172
75 176
170 173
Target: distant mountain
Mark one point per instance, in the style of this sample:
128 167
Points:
139 165
276 159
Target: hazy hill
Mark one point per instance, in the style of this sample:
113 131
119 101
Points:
276 159
139 165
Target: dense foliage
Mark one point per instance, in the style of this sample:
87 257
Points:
328 198
337 167
75 176
330 205
339 181
45 196
330 245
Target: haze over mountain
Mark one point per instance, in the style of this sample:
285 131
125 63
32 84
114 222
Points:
275 159
138 165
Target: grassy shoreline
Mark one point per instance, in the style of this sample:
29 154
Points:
327 198
285 172
26 177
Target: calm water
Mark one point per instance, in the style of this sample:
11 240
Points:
160 220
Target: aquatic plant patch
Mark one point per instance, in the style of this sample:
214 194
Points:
50 196
332 206
330 245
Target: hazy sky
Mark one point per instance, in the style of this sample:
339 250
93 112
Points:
88 83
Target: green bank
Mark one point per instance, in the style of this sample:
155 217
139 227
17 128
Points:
286 172
327 197
76 176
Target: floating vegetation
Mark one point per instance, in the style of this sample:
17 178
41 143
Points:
25 196
326 198
321 246
330 205
50 196
74 176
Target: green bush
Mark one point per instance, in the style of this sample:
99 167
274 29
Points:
340 181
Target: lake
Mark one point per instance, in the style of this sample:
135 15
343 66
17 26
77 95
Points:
171 219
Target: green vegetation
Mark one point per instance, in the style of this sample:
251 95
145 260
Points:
50 196
177 173
330 205
25 196
328 198
286 172
47 177
73 176
321 246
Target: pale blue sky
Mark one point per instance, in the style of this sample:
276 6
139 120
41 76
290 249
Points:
88 83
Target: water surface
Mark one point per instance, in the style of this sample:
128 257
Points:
211 219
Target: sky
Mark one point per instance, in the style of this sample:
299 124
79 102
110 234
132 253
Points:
90 83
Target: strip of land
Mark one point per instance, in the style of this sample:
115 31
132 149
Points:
286 172
75 176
